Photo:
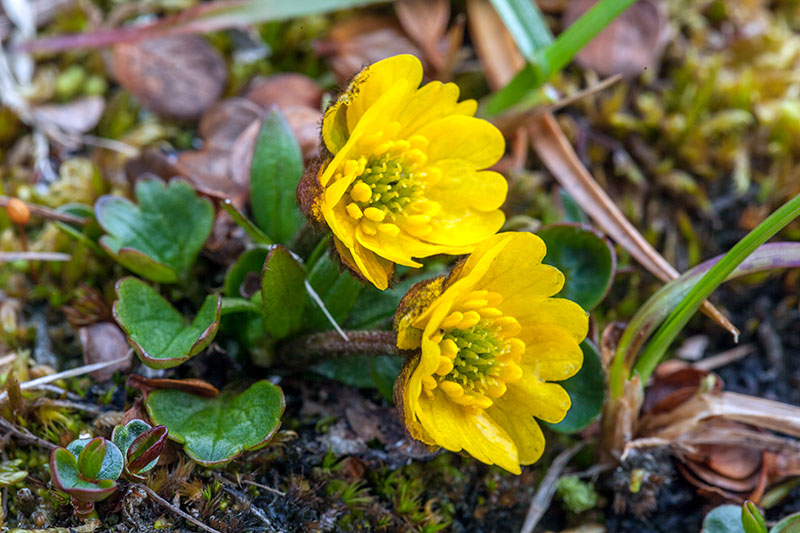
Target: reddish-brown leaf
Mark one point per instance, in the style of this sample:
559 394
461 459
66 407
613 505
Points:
283 90
179 76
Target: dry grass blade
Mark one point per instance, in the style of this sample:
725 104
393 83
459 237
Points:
6 257
547 488
558 155
502 60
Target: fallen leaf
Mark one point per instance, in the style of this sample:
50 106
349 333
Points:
284 90
425 21
179 76
102 342
358 41
305 123
631 44
224 121
78 116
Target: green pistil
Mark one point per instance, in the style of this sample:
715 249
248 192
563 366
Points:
474 367
393 184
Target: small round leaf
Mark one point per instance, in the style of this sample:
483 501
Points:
586 390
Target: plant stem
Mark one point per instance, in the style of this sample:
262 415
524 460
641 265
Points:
658 345
304 351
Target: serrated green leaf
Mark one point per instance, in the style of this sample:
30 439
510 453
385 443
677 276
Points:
282 290
276 169
160 237
160 335
724 519
585 258
216 430
586 391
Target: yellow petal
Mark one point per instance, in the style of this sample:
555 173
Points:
462 185
463 226
548 401
376 270
522 428
432 102
476 141
552 353
456 427
364 91
561 312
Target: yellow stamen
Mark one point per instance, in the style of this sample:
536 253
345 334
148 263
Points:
475 304
452 389
496 390
418 220
374 214
452 320
490 312
511 373
449 348
470 319
354 211
368 227
361 192
429 382
510 325
389 229
515 349
445 366
418 141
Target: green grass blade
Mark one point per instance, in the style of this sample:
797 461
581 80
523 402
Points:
583 30
526 25
658 345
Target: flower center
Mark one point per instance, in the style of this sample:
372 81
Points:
480 352
389 185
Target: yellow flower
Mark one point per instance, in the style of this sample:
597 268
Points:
405 175
487 340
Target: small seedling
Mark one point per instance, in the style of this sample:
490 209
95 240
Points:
87 470
141 444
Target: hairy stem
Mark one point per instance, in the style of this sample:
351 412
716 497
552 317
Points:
316 347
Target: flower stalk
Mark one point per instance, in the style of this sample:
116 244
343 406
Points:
309 349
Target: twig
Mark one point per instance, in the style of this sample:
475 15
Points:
724 358
68 404
547 488
260 486
6 359
6 257
24 434
46 212
258 513
81 370
150 492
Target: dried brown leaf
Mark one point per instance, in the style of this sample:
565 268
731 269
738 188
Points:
358 41
78 116
425 21
179 76
632 43
193 386
101 342
224 121
283 90
305 123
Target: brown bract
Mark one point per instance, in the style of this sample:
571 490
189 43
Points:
179 76
102 342
630 45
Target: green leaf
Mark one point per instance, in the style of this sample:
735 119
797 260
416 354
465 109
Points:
282 293
276 169
123 436
789 524
66 477
158 332
724 519
525 23
338 290
585 258
752 519
363 371
160 237
586 390
143 453
216 430
91 458
112 464
250 262
657 347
